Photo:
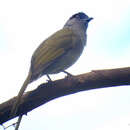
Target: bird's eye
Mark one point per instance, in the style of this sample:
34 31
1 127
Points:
79 16
75 16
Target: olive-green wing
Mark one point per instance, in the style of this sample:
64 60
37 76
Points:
55 46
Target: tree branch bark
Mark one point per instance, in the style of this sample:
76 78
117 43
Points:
70 85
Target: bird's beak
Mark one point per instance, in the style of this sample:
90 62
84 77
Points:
89 19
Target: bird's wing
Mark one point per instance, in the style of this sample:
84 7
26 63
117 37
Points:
52 48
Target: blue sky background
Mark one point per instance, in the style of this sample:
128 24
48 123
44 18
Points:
25 24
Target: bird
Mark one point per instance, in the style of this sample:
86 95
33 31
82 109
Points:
58 52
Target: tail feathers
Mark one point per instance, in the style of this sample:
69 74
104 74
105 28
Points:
23 88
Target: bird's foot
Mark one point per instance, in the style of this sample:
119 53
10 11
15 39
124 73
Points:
69 76
49 79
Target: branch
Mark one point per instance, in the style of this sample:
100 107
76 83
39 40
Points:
70 85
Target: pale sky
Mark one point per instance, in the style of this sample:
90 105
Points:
25 24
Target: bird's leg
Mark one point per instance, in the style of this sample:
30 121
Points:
49 79
50 82
68 74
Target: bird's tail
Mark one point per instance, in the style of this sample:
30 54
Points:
23 88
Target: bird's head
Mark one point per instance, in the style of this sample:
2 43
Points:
79 18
